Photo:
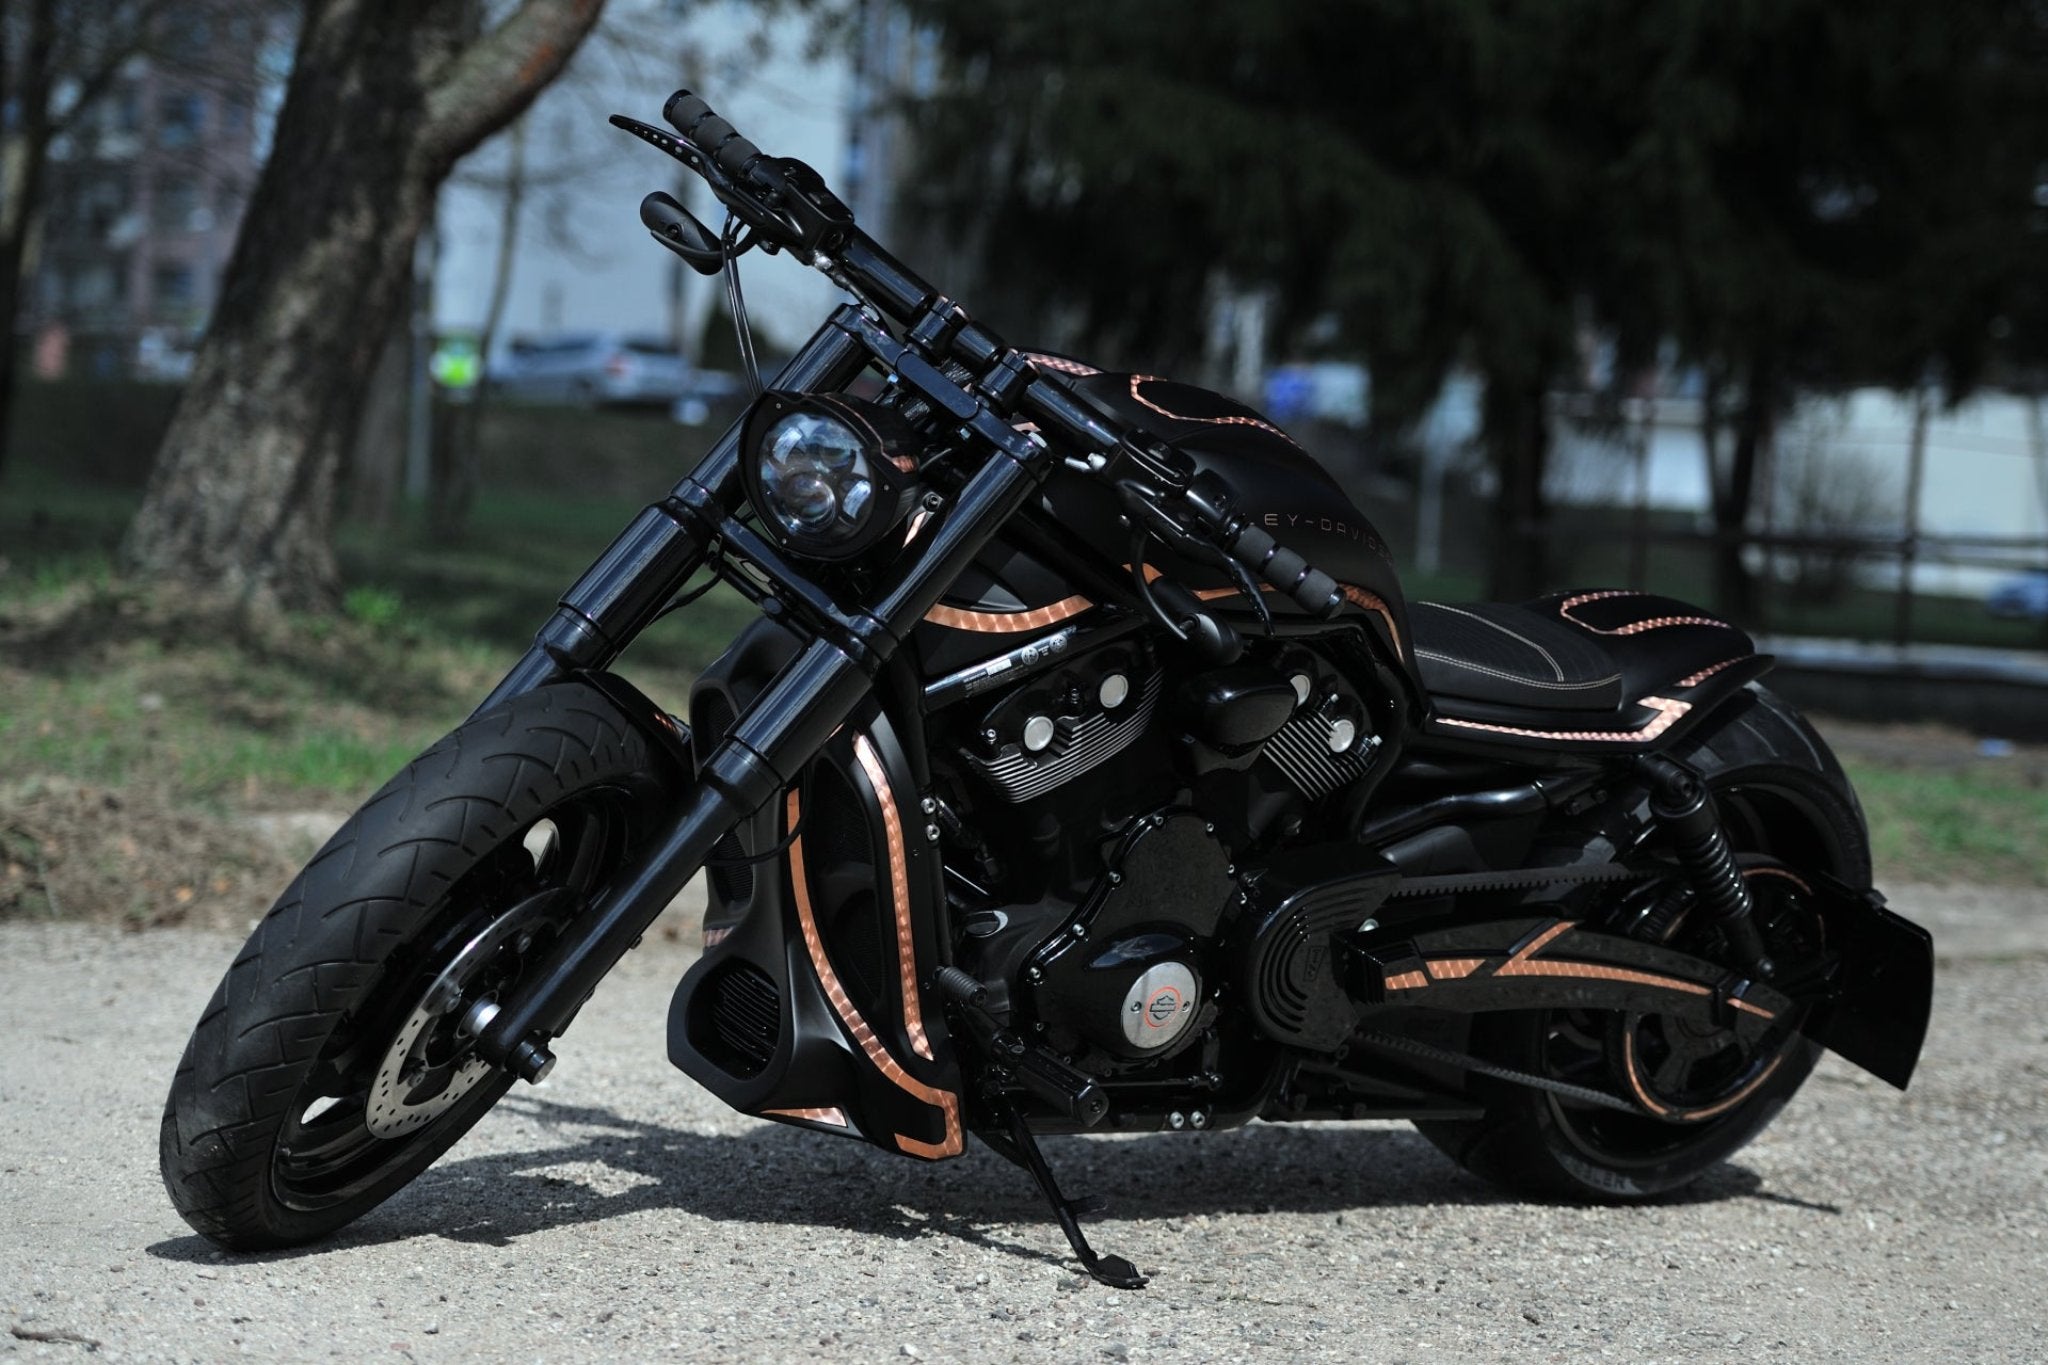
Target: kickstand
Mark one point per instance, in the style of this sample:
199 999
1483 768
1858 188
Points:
1113 1271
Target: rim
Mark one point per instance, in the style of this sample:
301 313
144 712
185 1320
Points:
404 1050
1701 1081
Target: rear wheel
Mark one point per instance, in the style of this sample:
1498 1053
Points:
1705 1093
335 1061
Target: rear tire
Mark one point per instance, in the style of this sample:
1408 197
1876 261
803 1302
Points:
1780 793
322 1077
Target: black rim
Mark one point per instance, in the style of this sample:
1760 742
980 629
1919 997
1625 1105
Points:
326 1154
1674 1064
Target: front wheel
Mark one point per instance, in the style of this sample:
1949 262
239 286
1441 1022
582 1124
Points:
1786 807
334 1062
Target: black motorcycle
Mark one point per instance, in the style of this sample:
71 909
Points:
1084 770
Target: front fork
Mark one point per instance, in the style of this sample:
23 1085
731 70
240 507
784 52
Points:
781 732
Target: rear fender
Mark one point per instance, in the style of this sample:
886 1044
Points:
1883 994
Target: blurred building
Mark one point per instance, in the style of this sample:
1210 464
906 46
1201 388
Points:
146 192
813 82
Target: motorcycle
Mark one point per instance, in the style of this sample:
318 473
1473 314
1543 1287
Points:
1085 770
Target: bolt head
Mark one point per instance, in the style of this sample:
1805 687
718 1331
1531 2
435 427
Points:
1176 1120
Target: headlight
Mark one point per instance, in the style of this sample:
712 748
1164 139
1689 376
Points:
829 475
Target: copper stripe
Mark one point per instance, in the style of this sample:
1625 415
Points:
1407 981
849 1015
1635 628
1757 1010
1007 622
1634 1075
1628 1049
1595 971
1669 713
1060 363
1541 941
833 1118
1453 968
1697 678
899 891
1140 379
1359 597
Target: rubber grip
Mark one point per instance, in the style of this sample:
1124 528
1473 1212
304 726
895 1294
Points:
1308 587
709 133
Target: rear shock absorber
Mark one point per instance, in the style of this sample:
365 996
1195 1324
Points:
1685 810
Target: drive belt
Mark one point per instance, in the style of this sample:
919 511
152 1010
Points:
1520 879
1466 1062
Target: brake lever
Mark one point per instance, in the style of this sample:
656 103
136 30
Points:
753 209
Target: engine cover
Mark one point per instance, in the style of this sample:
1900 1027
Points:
1125 972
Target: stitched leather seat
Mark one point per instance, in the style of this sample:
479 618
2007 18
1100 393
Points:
1572 652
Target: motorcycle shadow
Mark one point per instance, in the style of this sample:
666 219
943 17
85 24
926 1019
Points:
597 1164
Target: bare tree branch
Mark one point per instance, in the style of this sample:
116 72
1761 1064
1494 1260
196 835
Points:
495 78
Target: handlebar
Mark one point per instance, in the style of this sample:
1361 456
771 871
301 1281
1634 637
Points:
789 204
1308 587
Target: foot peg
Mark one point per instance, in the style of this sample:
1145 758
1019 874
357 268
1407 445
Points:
1067 1088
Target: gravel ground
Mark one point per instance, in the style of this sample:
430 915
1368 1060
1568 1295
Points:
619 1212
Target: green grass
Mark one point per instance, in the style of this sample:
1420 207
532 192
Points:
1981 823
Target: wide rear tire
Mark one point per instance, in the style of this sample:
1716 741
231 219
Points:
322 1076
1780 793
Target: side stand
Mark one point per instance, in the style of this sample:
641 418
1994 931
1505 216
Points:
1114 1271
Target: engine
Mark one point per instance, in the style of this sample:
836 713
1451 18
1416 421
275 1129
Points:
1107 807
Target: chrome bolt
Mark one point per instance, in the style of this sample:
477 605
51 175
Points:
1034 974
1200 1118
1176 1120
931 834
929 805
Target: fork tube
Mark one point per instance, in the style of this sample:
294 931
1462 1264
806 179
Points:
765 753
621 592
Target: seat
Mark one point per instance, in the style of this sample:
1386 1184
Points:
1577 653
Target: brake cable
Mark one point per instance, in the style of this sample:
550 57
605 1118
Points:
736 301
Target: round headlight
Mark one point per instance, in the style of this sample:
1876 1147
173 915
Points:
829 475
815 477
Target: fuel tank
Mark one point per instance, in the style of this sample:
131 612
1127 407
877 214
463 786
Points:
1277 484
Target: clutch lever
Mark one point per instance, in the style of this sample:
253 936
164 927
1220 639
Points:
1177 610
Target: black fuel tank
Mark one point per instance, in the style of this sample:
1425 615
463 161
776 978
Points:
1277 483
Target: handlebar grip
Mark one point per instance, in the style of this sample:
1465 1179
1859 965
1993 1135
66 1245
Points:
689 115
1309 588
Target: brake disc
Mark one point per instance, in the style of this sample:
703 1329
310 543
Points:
431 1063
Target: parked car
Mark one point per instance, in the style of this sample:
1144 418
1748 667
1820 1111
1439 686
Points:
592 367
2023 597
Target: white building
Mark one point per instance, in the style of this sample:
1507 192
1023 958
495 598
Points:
582 261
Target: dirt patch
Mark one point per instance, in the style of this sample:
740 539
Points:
132 857
1931 747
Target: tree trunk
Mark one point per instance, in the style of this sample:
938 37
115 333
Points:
22 165
1516 426
1733 485
384 96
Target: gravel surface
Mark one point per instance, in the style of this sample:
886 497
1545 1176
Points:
620 1212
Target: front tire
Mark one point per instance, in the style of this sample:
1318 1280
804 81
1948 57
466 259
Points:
1784 801
332 1065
